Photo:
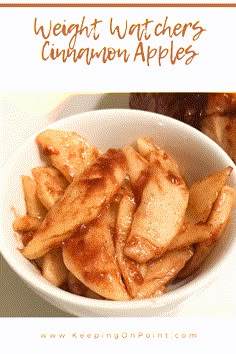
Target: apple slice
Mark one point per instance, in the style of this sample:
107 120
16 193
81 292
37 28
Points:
190 234
53 268
33 205
90 257
162 270
203 193
137 165
50 185
154 154
69 152
132 272
218 221
81 203
159 215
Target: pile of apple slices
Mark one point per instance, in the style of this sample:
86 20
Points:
118 225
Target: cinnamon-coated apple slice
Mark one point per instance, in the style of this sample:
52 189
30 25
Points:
203 194
50 185
218 220
162 270
153 153
90 257
81 203
159 215
68 151
132 272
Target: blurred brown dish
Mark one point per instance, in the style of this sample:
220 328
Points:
212 113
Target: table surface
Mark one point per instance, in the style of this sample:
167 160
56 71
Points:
21 115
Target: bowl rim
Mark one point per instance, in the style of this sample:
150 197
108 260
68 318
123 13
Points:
42 286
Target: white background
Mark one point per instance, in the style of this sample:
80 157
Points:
23 69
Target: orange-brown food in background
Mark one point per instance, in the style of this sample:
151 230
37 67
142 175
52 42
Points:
212 113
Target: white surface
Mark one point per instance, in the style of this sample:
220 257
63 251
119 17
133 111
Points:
138 72
21 116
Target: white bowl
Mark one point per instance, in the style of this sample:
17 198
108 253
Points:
197 155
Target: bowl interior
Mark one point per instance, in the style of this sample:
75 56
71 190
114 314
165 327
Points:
196 154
